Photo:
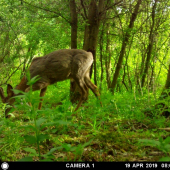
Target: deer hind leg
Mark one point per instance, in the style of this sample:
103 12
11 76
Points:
83 89
42 93
93 87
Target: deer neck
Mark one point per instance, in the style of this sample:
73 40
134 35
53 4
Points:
22 85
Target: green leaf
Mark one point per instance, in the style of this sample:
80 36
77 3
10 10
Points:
17 92
21 139
30 139
29 159
61 122
27 127
39 122
49 157
42 137
30 150
87 143
33 80
166 147
59 148
149 142
73 148
51 151
66 146
167 140
165 159
49 124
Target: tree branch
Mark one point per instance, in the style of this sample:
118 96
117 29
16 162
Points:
82 4
45 9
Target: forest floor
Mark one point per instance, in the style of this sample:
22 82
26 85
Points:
118 131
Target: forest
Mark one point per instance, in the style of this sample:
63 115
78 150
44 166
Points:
116 49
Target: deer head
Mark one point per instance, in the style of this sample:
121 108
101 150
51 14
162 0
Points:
8 100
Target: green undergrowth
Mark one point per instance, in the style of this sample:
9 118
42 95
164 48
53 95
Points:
118 131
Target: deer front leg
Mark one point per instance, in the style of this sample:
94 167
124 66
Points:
42 93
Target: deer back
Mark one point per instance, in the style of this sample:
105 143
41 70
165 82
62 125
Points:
60 65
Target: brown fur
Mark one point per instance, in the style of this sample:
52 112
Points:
57 66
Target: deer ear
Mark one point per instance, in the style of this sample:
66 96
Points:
9 90
2 94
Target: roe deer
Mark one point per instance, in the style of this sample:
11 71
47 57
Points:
56 66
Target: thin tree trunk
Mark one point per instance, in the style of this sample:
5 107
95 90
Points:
123 79
165 93
5 51
101 54
151 78
150 46
75 93
73 24
167 84
126 66
124 44
108 56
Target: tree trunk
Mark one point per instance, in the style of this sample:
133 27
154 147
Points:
124 43
165 93
5 48
101 54
151 81
74 89
108 57
73 24
150 46
92 29
90 39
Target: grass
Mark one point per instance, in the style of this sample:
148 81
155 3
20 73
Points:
118 131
